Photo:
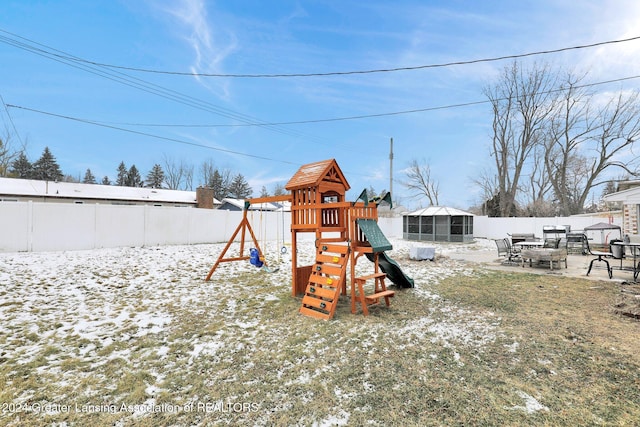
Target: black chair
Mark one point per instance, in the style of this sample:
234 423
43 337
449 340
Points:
601 257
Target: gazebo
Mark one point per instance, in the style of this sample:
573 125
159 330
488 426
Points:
607 233
438 224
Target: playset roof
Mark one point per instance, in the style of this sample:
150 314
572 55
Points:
312 174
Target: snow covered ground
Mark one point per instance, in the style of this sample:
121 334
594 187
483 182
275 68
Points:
68 317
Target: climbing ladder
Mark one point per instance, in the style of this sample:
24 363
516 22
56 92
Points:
326 281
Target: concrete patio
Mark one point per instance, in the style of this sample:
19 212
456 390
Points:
577 266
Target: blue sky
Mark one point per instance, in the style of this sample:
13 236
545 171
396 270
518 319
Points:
287 37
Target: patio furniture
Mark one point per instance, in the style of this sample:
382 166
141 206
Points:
549 255
552 243
506 250
617 250
555 233
522 237
528 244
601 257
634 248
576 243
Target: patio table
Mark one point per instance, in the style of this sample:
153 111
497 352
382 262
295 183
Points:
635 249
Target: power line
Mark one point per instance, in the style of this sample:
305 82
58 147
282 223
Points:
164 138
13 125
180 141
346 118
145 86
344 73
248 121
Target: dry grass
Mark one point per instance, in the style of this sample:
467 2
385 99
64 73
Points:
571 351
477 348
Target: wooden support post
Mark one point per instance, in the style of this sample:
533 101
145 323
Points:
242 227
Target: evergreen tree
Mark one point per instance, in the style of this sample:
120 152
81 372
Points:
22 167
264 192
106 180
122 175
240 188
219 184
133 177
46 168
155 177
89 178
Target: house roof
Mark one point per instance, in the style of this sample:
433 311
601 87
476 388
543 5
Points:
629 196
71 190
312 174
439 211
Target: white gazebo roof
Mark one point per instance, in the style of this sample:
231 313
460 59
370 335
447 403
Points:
439 211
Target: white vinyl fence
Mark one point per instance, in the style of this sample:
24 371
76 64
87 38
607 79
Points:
35 226
497 228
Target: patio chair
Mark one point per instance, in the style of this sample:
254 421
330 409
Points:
601 257
551 243
576 243
515 251
505 249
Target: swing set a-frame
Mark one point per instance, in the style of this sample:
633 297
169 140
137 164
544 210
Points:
242 228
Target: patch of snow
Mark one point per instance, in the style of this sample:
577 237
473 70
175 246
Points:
513 347
531 404
340 419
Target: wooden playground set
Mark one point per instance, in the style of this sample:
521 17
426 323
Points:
344 231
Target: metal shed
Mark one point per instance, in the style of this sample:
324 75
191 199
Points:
438 224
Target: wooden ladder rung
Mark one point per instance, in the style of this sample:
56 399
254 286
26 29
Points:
375 297
313 313
371 276
320 292
317 303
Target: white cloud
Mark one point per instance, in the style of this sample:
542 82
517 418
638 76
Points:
211 45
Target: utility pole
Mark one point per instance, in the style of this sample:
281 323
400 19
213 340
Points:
391 167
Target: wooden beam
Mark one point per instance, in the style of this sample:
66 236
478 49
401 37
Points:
270 199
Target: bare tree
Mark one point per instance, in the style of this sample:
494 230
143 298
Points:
188 177
178 175
279 190
7 154
569 128
617 129
207 168
538 186
583 142
421 183
521 102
